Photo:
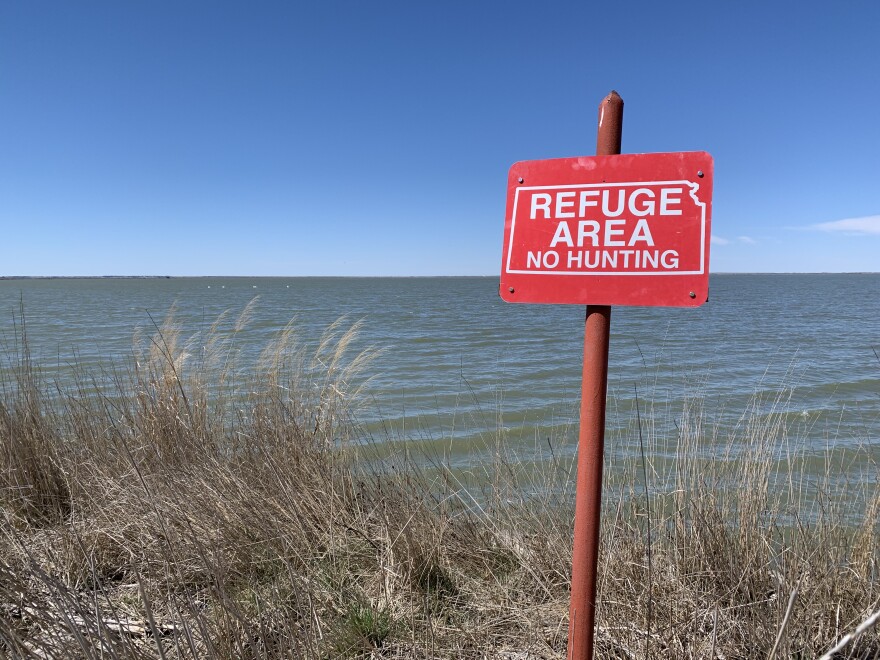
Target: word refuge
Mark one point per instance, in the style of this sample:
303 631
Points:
614 227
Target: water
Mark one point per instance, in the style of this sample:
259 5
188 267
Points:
461 369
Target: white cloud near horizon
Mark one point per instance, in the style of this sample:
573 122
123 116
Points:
746 239
869 225
717 240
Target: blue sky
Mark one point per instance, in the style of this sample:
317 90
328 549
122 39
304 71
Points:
374 138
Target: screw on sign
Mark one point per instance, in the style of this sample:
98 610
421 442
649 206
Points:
612 229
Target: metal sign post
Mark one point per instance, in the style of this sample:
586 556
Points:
591 439
604 230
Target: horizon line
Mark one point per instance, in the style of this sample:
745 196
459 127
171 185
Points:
157 277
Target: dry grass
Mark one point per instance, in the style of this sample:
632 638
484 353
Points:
192 512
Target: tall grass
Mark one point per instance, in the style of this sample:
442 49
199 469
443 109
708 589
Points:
176 507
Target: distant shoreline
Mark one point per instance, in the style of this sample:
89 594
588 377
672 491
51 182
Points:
88 277
353 277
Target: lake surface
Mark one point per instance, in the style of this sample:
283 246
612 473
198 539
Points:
462 371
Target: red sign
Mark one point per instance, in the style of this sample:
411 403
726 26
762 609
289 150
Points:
631 229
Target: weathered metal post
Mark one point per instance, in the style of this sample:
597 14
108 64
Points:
561 240
591 440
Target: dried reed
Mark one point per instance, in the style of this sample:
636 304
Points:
178 508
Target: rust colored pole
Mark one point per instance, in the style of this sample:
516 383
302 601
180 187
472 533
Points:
591 440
